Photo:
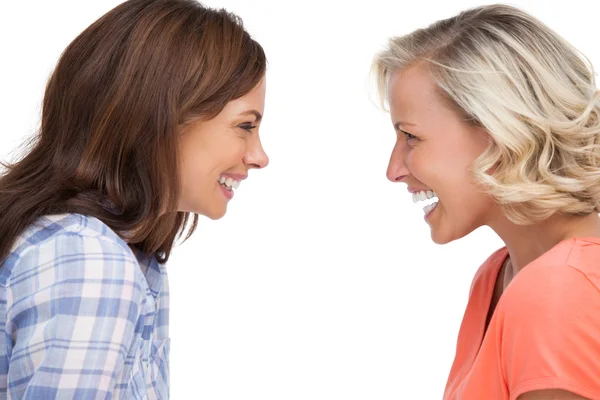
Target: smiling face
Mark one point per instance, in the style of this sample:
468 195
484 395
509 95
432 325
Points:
215 155
434 152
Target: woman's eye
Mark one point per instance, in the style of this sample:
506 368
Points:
247 127
409 136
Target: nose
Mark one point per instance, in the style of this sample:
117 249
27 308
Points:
397 171
255 156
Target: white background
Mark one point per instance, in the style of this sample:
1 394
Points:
321 282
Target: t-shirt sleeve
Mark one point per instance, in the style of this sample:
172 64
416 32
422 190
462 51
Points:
549 332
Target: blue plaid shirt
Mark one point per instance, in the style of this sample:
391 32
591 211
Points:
82 316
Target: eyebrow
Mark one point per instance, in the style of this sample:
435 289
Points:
400 123
253 112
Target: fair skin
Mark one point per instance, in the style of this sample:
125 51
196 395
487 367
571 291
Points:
435 151
224 147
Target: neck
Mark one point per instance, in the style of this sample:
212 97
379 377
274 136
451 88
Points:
525 243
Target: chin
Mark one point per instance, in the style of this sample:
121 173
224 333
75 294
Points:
447 237
216 217
211 213
214 214
440 239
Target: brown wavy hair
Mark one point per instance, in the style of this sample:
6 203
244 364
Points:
112 111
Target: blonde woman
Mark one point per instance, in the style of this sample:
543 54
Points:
498 118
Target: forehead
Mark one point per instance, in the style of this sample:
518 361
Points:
253 100
255 97
412 91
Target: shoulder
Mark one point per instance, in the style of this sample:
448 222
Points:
51 227
547 330
67 239
583 255
557 291
567 274
543 293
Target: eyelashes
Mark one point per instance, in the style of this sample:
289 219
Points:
409 136
247 127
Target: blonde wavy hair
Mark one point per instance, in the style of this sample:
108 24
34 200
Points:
504 70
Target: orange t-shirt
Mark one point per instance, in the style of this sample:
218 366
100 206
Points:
544 332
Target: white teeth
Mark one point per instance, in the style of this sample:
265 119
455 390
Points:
423 195
426 195
229 183
428 208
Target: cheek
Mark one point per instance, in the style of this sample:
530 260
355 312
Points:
237 150
426 168
191 158
196 166
448 175
213 158
226 153
413 162
467 197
